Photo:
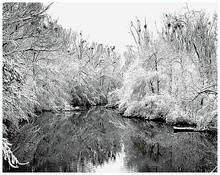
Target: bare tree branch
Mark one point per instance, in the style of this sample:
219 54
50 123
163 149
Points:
207 91
28 17
30 49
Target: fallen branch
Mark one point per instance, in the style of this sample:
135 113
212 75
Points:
184 129
193 129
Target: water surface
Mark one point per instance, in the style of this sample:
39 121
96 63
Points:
100 140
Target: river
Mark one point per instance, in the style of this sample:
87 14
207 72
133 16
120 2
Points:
100 140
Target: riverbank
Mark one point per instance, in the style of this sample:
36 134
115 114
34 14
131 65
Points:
163 109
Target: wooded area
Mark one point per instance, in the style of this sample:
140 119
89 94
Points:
48 67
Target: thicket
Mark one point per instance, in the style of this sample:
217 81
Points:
174 77
47 67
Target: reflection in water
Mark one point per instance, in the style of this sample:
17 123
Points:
100 140
158 149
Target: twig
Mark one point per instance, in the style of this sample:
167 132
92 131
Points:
30 49
197 53
214 169
208 91
28 17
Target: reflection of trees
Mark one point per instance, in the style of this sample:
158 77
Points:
69 142
80 141
164 151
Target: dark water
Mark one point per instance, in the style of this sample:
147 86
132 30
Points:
100 140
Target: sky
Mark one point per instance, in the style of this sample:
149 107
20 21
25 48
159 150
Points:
108 23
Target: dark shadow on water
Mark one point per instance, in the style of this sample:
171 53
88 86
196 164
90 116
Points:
157 149
86 141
